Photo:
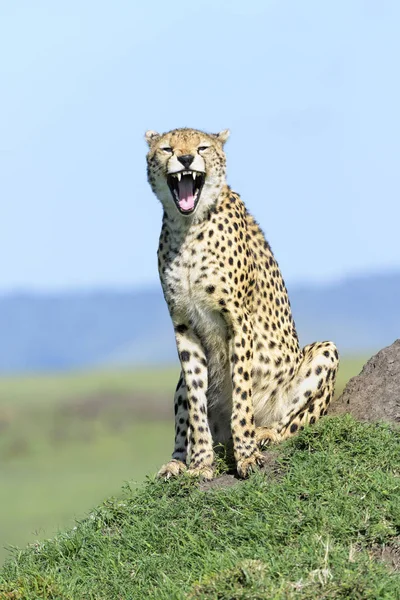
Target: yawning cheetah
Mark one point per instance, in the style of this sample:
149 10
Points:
243 375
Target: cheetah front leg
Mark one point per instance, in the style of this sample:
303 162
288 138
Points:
194 369
247 455
177 464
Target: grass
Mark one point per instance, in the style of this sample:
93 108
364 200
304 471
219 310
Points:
42 492
48 390
307 532
68 441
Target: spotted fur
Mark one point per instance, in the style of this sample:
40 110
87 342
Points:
244 376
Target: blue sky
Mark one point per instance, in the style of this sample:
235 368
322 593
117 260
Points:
310 91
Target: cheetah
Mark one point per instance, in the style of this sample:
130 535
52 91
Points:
244 376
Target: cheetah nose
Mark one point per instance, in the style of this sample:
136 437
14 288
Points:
186 160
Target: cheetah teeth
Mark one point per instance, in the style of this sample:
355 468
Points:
194 174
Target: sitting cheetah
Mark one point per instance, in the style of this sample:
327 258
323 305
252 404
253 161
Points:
244 376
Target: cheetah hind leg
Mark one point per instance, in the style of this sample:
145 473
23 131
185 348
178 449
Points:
310 396
266 436
313 388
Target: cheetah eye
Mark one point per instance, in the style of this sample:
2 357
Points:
202 148
167 149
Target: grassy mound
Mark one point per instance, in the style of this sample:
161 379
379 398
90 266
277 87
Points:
313 528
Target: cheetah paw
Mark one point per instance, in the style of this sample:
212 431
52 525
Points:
204 472
266 436
245 466
171 469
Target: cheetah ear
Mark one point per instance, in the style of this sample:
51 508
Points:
222 136
151 137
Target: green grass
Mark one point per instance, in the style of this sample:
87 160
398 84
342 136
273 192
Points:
68 441
307 532
42 492
48 390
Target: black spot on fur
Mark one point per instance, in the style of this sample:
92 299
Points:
181 328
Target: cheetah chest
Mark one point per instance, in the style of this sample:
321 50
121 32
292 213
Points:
187 282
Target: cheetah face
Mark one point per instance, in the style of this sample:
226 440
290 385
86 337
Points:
186 169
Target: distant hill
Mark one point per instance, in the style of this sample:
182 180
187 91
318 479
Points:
48 332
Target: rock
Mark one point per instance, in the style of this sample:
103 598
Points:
374 394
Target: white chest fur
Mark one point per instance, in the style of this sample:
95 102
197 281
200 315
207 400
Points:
187 274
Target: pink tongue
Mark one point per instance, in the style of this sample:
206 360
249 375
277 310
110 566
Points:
186 196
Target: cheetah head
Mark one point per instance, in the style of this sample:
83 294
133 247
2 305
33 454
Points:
186 169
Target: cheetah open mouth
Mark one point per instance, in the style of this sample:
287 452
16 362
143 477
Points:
186 188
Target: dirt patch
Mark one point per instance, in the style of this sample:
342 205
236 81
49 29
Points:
389 554
271 465
272 469
223 481
374 394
